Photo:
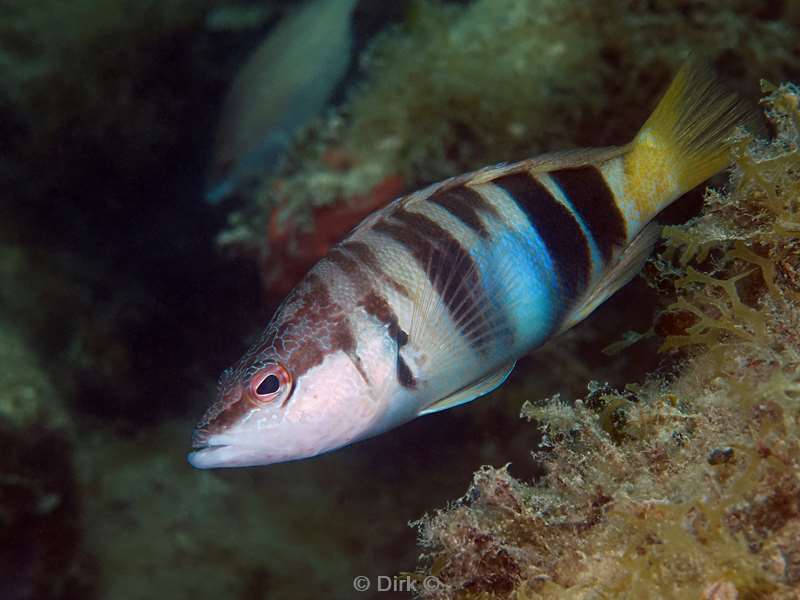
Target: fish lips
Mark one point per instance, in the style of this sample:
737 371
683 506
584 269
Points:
210 450
211 457
219 451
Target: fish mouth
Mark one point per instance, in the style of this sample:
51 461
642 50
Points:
209 456
224 450
207 449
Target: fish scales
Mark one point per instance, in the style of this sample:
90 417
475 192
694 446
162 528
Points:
428 303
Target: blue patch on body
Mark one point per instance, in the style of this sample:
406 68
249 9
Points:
519 279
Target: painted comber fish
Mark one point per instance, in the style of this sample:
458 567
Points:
428 303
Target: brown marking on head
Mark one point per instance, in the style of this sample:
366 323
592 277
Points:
223 413
377 306
322 326
307 327
342 338
308 355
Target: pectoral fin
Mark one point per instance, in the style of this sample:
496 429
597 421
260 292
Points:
472 391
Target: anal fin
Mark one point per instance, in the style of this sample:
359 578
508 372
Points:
472 391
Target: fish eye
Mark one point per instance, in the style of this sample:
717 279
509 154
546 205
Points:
270 383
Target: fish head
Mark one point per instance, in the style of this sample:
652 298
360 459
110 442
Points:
300 391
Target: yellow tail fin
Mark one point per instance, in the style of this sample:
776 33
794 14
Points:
683 142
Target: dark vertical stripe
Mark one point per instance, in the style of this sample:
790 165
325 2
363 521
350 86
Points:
404 374
558 228
350 267
587 191
449 267
361 281
377 306
363 253
316 305
464 204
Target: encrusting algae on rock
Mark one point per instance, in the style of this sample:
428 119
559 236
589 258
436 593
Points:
687 486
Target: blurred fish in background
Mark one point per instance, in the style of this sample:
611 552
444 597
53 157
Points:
287 81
